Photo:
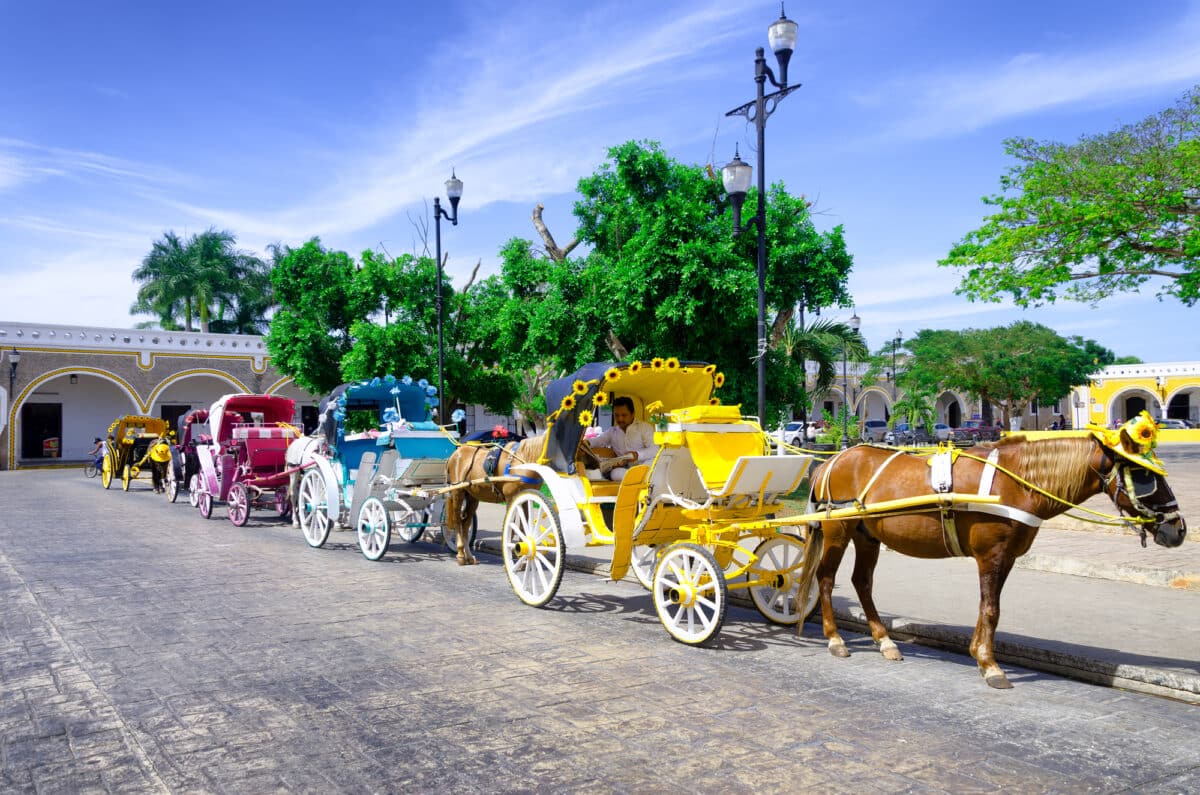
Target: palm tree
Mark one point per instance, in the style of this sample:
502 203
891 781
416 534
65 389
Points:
167 283
824 342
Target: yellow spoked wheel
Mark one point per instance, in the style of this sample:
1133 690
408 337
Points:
106 472
775 580
534 549
126 476
690 595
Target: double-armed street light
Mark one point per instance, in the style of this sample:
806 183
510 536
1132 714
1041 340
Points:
854 323
736 174
454 189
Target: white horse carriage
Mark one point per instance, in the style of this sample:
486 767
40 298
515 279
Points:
375 464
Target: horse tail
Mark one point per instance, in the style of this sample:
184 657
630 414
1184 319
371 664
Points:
813 545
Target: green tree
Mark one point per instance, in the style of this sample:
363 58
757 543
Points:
1091 219
822 343
1007 366
665 276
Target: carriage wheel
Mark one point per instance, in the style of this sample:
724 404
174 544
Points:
126 476
106 472
204 501
172 484
193 490
643 561
534 549
374 529
690 594
239 505
777 572
283 504
312 505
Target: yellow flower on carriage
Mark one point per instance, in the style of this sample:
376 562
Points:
672 363
599 399
719 380
657 363
579 388
635 367
568 403
714 401
612 374
1143 431
585 418
710 368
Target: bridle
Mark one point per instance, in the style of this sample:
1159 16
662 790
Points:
1136 483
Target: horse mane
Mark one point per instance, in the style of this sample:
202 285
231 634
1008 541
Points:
1060 465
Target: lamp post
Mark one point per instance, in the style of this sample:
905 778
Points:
736 174
895 344
854 323
454 189
14 358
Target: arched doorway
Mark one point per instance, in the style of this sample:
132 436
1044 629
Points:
186 391
1185 405
949 410
1133 401
62 414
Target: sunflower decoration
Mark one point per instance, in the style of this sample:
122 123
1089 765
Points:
568 403
612 374
635 367
657 363
1143 432
579 388
714 401
672 364
599 399
719 380
710 368
585 418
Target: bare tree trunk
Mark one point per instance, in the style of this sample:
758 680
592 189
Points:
552 250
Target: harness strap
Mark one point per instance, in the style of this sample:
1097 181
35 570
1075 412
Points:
862 496
989 471
511 449
950 532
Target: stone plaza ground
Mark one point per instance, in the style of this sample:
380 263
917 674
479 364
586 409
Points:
144 649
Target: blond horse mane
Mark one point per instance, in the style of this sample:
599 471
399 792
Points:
1060 466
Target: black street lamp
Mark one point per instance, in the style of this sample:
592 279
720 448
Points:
736 175
14 358
454 192
895 344
854 323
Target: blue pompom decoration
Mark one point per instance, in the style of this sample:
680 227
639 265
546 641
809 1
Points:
395 390
432 402
391 415
376 382
424 382
406 380
458 416
389 379
431 390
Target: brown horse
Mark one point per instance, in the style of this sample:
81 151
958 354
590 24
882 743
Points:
1072 469
466 466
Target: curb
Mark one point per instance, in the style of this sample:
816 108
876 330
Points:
1178 579
1135 678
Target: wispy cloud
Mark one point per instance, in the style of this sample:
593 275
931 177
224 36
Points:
960 99
22 161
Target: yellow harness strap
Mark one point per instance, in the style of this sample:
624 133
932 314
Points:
862 496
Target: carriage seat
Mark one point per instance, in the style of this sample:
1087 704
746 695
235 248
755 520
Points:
263 432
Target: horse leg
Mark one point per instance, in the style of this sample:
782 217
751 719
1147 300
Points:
294 497
993 571
866 555
459 513
831 557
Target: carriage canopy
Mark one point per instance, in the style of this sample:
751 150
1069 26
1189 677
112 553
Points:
655 387
238 408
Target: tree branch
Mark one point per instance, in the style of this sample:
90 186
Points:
552 250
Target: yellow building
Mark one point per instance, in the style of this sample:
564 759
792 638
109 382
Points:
1168 390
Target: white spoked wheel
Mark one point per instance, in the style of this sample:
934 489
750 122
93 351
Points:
239 505
690 593
413 527
644 560
438 532
172 483
777 574
374 529
204 502
312 508
193 490
532 542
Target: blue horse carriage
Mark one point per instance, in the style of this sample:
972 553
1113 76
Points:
375 464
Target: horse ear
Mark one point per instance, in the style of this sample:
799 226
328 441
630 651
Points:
1127 442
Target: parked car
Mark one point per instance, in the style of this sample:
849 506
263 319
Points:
874 430
1171 424
906 435
975 431
941 431
792 433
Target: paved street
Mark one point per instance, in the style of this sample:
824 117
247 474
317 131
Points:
145 649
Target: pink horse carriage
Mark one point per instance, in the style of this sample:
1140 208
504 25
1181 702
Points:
245 463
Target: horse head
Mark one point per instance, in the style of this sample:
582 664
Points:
1138 487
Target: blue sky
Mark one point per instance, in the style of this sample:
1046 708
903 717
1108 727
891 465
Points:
283 120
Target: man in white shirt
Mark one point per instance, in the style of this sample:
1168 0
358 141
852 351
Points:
629 439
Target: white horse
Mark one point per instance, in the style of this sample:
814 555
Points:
301 453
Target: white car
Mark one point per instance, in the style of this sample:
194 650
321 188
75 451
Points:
1170 424
792 433
941 431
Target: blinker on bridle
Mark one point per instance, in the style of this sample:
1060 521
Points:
1137 483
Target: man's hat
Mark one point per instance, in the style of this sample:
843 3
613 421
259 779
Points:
1134 441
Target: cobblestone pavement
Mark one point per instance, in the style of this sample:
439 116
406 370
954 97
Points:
145 649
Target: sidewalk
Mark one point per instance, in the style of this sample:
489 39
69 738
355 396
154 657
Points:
1090 605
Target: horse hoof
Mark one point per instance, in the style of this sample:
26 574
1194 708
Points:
890 650
839 650
998 682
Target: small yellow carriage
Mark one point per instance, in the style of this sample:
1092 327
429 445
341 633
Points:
129 439
677 521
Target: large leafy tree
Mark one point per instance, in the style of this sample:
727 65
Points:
1101 216
665 276
1009 366
204 278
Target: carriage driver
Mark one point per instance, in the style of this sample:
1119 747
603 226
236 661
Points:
630 440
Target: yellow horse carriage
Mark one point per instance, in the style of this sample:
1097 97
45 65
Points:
129 440
678 521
